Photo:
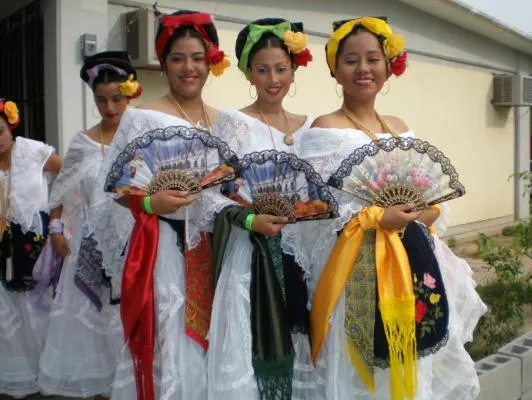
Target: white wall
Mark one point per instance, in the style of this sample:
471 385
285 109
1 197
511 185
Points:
423 31
70 99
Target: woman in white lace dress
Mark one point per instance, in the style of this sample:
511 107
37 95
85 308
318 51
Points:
169 336
240 366
352 334
79 357
24 168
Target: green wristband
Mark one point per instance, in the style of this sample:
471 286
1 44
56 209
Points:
249 221
147 205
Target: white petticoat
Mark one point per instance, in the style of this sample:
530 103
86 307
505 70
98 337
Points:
79 357
21 341
230 371
179 363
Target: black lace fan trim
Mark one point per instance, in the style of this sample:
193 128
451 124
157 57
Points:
164 134
281 157
408 143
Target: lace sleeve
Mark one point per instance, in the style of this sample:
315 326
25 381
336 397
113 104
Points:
111 223
29 193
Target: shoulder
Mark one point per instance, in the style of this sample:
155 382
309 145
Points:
396 124
331 120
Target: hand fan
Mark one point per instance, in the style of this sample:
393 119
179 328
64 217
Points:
281 184
398 170
176 157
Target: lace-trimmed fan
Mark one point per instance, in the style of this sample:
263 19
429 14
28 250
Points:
398 170
175 157
281 184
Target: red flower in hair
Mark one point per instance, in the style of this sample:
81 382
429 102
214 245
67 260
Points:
214 55
2 106
137 93
303 58
398 65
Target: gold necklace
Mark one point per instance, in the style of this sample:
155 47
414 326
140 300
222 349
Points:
288 138
360 126
185 115
5 206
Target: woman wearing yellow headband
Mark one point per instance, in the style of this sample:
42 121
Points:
25 166
364 348
245 361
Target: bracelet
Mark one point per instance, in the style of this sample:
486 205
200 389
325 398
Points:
249 221
55 226
147 205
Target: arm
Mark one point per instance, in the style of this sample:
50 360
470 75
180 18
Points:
58 238
53 164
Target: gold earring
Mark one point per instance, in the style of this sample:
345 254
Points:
341 94
250 95
386 90
295 90
208 81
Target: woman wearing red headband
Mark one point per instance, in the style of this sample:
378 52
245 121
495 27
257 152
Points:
24 168
79 359
166 344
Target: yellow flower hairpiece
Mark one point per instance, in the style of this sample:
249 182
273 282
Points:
11 112
393 44
130 87
218 69
295 41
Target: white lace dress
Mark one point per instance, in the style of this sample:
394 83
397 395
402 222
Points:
79 356
179 362
230 370
22 333
447 374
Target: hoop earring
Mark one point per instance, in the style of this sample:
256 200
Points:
208 81
97 114
386 90
250 95
295 90
341 94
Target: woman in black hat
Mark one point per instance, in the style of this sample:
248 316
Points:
79 357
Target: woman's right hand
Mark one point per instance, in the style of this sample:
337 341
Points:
397 217
60 244
268 225
169 201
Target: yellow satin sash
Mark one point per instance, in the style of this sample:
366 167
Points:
396 294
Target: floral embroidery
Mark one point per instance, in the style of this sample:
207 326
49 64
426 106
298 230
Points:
421 310
429 281
35 248
428 310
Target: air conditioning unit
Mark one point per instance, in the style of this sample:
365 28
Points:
141 28
512 90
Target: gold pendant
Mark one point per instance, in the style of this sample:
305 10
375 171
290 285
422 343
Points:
288 140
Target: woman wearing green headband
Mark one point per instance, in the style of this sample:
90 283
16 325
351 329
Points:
361 349
245 360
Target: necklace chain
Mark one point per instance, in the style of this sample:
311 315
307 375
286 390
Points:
183 113
360 126
5 203
288 137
